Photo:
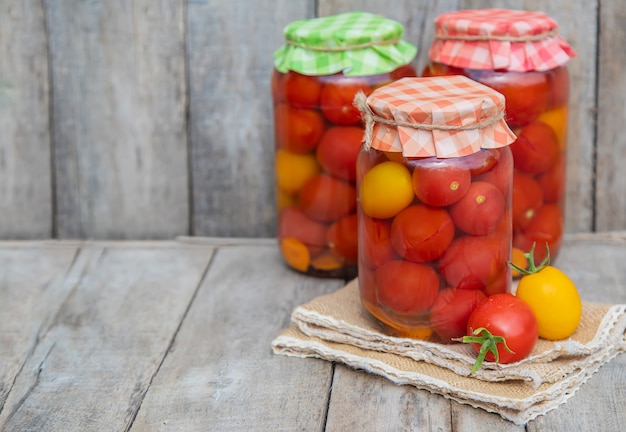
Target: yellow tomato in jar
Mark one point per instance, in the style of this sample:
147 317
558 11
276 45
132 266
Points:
385 190
553 297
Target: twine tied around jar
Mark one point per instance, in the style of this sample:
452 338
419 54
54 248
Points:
369 118
529 38
343 48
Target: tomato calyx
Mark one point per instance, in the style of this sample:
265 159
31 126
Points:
488 343
532 267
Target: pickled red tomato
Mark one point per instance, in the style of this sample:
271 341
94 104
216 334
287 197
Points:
292 222
527 198
325 198
558 80
481 162
552 182
406 288
500 173
342 238
438 183
536 148
301 91
338 149
375 241
297 130
337 97
480 210
526 93
546 227
420 233
451 311
474 262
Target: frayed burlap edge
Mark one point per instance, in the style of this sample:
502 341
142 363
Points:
336 328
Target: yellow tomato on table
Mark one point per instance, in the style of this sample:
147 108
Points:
553 297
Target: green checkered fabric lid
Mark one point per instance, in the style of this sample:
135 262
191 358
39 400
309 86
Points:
357 43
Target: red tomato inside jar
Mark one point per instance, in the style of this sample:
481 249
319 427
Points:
318 132
521 55
434 185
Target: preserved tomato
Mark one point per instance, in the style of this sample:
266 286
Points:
434 229
318 133
536 90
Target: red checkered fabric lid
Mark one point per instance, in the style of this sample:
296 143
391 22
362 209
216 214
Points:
448 116
499 39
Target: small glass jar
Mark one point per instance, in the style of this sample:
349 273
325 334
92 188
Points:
434 178
318 131
521 55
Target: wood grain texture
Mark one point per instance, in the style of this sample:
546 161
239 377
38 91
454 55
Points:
25 307
93 362
221 374
231 50
118 85
25 172
610 196
148 120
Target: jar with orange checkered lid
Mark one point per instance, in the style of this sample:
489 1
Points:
434 182
318 132
521 55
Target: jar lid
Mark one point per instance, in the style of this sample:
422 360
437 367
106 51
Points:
357 43
506 39
447 116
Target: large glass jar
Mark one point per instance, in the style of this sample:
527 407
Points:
521 55
318 131
434 178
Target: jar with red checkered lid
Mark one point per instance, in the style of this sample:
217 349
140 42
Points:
521 55
434 182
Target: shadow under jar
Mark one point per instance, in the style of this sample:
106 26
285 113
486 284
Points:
318 131
434 178
521 55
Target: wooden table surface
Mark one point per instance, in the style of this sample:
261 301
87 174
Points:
176 335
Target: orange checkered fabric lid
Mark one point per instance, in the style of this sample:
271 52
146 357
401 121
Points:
505 39
448 116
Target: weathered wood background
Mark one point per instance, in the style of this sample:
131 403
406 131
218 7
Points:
150 119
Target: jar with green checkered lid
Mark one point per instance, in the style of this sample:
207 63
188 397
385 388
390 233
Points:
520 54
318 131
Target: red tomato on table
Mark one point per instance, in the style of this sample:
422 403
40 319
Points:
509 317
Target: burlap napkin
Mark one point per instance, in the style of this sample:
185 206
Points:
336 327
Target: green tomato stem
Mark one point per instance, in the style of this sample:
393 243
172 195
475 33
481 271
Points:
488 343
532 267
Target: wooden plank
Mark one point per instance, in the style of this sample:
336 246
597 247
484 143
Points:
221 373
94 361
33 283
417 18
231 51
25 173
611 144
118 80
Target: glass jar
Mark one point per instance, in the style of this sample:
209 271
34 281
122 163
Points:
521 55
318 131
434 178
